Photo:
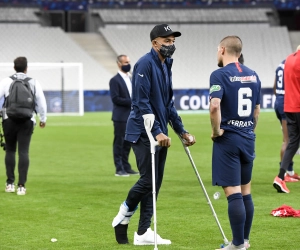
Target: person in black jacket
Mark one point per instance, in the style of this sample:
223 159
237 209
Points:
120 92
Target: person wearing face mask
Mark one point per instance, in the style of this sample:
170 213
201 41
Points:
152 93
120 92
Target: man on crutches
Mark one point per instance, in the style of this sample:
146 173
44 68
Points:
152 94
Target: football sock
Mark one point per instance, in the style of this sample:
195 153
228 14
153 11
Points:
290 173
290 169
281 173
237 217
249 207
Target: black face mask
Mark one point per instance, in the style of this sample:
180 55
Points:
167 51
126 68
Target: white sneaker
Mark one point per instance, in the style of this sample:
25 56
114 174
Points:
148 239
246 243
21 191
10 188
231 247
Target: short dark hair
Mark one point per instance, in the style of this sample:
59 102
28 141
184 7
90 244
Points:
119 58
233 44
20 64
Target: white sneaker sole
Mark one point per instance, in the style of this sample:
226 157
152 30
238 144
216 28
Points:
21 191
145 243
149 240
9 191
136 243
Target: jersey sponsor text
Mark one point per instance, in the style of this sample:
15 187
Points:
243 79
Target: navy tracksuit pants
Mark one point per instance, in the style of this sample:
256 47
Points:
17 134
141 192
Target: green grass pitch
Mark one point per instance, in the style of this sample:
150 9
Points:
73 195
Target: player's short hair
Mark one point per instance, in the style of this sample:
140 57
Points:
20 64
233 45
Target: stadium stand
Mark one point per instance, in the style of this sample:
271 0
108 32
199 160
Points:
196 48
195 57
179 16
18 15
50 44
85 5
180 3
127 31
96 46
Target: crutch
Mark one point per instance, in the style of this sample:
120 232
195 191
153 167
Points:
148 123
187 150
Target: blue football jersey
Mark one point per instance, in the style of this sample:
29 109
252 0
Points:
279 79
239 88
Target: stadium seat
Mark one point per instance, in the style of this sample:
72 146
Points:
50 44
195 58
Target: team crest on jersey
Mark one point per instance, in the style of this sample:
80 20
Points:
214 88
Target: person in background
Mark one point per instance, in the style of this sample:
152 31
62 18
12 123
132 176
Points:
278 88
241 59
292 112
152 94
234 108
18 134
120 92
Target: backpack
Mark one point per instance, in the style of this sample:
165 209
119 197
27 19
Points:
20 103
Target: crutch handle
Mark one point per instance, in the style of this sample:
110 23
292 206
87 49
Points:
148 124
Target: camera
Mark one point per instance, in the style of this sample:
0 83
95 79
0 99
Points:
3 145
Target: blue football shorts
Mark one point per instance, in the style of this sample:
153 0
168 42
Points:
278 106
232 160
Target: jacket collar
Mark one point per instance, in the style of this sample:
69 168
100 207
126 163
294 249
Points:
19 75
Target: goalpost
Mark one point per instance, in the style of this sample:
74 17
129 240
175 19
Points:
62 84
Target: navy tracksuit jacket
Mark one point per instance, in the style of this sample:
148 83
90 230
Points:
151 95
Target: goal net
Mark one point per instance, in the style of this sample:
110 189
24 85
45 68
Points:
62 84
